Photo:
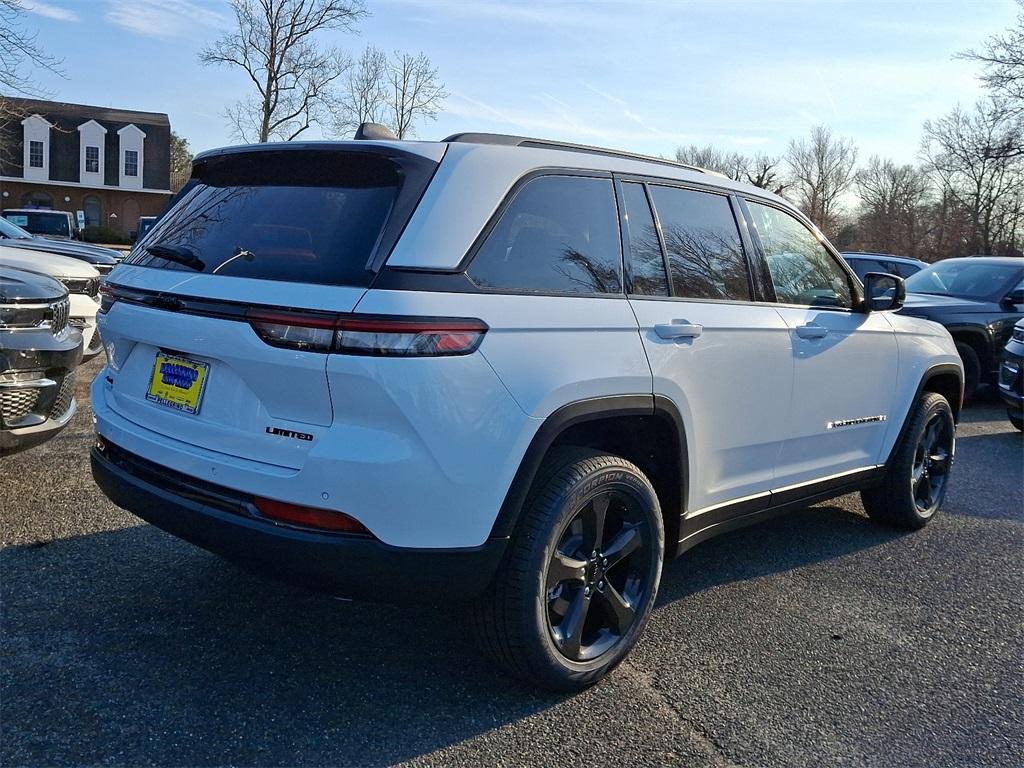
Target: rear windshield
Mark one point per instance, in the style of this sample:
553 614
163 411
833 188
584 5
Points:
41 222
298 216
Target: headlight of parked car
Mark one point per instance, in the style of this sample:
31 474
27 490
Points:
90 286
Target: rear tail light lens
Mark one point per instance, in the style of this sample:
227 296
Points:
107 298
369 335
309 517
295 330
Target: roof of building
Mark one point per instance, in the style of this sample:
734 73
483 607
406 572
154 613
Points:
63 109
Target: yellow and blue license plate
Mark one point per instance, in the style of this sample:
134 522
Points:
177 382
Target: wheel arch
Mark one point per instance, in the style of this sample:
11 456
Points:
644 429
945 379
978 340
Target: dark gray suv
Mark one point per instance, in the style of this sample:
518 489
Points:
39 351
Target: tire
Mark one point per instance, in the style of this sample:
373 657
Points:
918 473
557 616
972 368
1017 421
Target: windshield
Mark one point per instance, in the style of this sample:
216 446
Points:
9 230
41 222
966 279
313 217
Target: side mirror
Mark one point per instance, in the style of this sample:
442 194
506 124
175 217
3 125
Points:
1013 298
882 291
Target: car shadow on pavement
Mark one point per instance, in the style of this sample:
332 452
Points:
134 639
798 539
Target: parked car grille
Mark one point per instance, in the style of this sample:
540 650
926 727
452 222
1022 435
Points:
64 397
16 404
59 315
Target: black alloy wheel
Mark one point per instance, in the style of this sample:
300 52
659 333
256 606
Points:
932 461
580 575
599 572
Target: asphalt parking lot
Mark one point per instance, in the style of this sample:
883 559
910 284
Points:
815 639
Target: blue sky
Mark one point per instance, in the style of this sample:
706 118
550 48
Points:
645 76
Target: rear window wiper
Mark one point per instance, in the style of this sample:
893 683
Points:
180 254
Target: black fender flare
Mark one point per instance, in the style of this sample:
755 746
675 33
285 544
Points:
942 369
578 412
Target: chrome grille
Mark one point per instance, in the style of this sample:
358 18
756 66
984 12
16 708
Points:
64 397
59 314
16 404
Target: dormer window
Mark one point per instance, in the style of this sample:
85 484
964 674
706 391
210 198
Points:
92 159
130 141
92 140
35 154
131 162
36 157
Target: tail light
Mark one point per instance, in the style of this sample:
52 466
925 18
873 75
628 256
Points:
309 517
107 298
368 334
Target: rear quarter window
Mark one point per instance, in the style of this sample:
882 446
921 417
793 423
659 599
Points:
558 234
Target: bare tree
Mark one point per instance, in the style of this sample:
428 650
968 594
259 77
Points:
364 94
274 44
978 160
712 158
20 52
764 171
20 57
760 170
820 172
895 201
1003 60
414 92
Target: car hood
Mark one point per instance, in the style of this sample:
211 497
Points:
45 263
89 253
19 286
921 303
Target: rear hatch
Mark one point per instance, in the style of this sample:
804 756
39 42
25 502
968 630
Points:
196 319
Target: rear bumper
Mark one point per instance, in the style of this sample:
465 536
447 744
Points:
226 523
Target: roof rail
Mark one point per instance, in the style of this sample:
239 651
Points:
508 140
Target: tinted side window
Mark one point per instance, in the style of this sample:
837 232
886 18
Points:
646 262
906 270
560 234
802 270
705 255
860 266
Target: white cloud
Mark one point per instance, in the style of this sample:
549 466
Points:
163 18
51 11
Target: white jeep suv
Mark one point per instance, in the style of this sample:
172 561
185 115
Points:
505 371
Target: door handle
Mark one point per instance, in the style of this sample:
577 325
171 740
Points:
679 330
811 331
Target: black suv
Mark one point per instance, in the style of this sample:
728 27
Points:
39 351
978 299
